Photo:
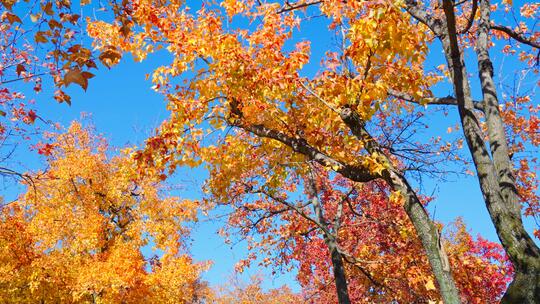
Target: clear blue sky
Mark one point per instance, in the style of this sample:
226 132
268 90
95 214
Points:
126 110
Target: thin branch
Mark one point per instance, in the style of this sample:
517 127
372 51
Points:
25 177
23 78
354 261
448 100
291 7
319 97
520 37
296 209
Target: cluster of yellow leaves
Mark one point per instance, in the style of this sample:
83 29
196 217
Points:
255 68
77 235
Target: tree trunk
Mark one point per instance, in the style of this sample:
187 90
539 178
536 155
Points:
340 277
495 175
425 229
339 272
525 288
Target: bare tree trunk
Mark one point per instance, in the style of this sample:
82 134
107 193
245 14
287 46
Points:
521 249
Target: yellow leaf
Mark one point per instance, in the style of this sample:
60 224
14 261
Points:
35 18
430 285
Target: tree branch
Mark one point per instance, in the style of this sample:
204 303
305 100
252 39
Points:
300 145
291 7
420 14
520 37
470 20
22 78
448 100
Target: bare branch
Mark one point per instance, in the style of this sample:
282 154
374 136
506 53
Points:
23 176
22 78
297 209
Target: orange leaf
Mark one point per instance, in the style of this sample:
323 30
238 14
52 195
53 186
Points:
12 18
20 69
110 56
47 8
40 37
75 76
87 75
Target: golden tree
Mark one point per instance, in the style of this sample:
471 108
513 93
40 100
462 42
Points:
76 235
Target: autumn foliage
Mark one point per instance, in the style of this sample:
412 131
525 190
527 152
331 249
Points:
351 117
318 123
77 235
40 42
236 292
385 257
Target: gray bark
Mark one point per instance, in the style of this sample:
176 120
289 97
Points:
416 212
521 249
495 170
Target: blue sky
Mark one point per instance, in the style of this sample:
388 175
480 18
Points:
126 111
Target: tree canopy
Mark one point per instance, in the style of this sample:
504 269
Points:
319 152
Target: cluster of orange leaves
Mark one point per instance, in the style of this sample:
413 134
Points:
77 234
235 292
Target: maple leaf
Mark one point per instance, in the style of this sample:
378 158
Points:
110 56
76 76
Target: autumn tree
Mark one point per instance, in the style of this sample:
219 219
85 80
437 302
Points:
249 78
485 133
237 292
77 234
356 239
381 252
